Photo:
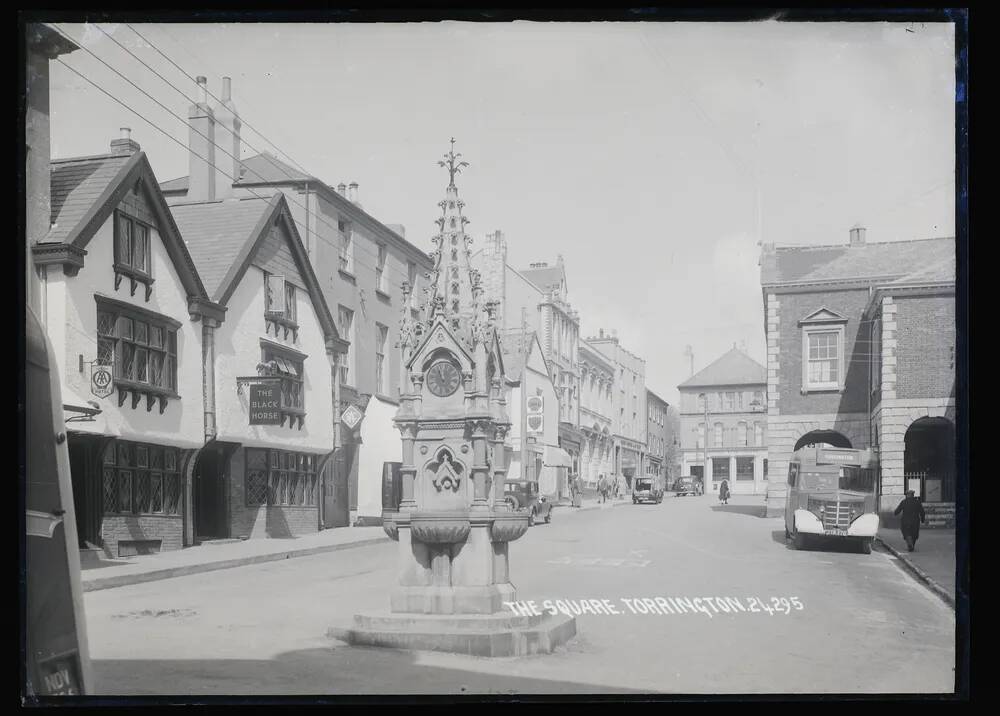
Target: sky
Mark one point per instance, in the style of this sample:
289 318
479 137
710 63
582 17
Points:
653 157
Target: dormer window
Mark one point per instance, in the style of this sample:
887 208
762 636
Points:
132 258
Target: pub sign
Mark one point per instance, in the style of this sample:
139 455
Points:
265 404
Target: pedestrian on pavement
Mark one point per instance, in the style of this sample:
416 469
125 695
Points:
724 493
912 511
602 488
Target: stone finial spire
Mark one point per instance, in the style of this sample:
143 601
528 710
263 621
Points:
455 293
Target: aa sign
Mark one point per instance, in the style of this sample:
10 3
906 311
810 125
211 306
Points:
101 381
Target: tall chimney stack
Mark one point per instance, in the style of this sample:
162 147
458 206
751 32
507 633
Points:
228 138
858 235
201 147
342 189
353 192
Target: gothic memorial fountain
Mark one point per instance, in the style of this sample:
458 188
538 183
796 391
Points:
452 527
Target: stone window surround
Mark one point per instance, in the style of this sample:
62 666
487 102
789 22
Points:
838 327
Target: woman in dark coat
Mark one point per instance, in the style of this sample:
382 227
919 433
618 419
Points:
912 514
724 493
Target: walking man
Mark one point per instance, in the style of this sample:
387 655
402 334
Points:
911 512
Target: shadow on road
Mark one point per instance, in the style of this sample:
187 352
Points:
338 670
751 510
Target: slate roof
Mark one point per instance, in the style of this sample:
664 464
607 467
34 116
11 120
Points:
937 271
887 259
216 233
77 185
544 278
734 368
513 361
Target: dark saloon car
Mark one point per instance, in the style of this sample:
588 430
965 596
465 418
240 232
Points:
687 486
523 494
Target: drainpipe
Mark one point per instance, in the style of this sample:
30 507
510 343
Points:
208 326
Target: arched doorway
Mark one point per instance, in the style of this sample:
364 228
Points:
823 437
929 459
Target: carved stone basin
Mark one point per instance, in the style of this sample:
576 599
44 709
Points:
509 526
439 527
389 525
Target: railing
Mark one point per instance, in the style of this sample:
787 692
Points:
931 486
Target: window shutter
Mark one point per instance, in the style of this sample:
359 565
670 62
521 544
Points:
275 294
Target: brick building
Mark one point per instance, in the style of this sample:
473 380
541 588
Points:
728 396
860 343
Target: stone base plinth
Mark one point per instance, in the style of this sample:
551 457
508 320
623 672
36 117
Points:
494 635
484 599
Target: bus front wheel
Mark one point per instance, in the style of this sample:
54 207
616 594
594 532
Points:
866 545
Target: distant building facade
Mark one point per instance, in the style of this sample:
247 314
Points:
861 340
596 410
657 434
538 297
731 392
628 409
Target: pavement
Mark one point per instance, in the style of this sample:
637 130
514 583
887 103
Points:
932 561
109 574
210 557
781 620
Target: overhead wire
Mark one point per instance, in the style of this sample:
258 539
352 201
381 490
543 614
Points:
262 153
167 134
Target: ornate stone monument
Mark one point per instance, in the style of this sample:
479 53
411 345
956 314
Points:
452 527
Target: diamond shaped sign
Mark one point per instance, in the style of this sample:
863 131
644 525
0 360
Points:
352 416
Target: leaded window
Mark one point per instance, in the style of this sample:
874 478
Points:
279 477
141 479
141 350
132 252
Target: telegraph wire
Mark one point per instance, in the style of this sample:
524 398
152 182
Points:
157 127
262 153
245 123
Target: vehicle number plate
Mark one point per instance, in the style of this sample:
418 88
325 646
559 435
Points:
837 533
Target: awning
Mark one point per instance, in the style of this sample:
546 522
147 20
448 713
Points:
557 457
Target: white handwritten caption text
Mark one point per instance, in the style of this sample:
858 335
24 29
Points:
662 606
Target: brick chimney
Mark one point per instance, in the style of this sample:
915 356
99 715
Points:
227 133
352 192
858 235
124 146
342 189
201 146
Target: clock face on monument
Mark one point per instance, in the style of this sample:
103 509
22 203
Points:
443 379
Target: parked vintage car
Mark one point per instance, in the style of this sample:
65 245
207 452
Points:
523 494
688 486
647 489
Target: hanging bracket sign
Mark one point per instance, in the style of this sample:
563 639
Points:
101 380
352 416
265 404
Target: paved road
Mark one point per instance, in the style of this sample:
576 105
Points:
864 625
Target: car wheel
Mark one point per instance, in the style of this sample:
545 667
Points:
548 517
531 519
788 534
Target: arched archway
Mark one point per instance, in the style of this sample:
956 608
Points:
823 437
929 459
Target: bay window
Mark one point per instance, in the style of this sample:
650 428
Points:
132 248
